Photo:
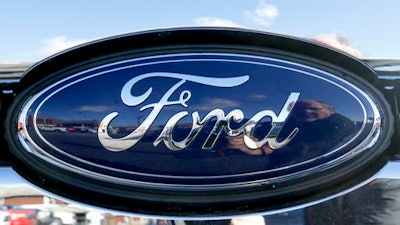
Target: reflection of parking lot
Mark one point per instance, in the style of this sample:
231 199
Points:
72 129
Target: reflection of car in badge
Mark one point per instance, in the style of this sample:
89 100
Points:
52 128
81 129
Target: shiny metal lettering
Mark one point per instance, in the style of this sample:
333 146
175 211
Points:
222 121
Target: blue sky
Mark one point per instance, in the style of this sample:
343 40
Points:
33 30
9 178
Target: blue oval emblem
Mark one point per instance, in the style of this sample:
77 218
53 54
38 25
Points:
200 120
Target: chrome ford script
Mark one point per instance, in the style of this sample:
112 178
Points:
222 121
199 121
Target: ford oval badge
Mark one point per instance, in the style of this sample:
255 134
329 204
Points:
168 123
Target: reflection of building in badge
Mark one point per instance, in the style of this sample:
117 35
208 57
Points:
48 121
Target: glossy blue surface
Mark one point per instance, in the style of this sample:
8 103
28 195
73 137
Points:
64 121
